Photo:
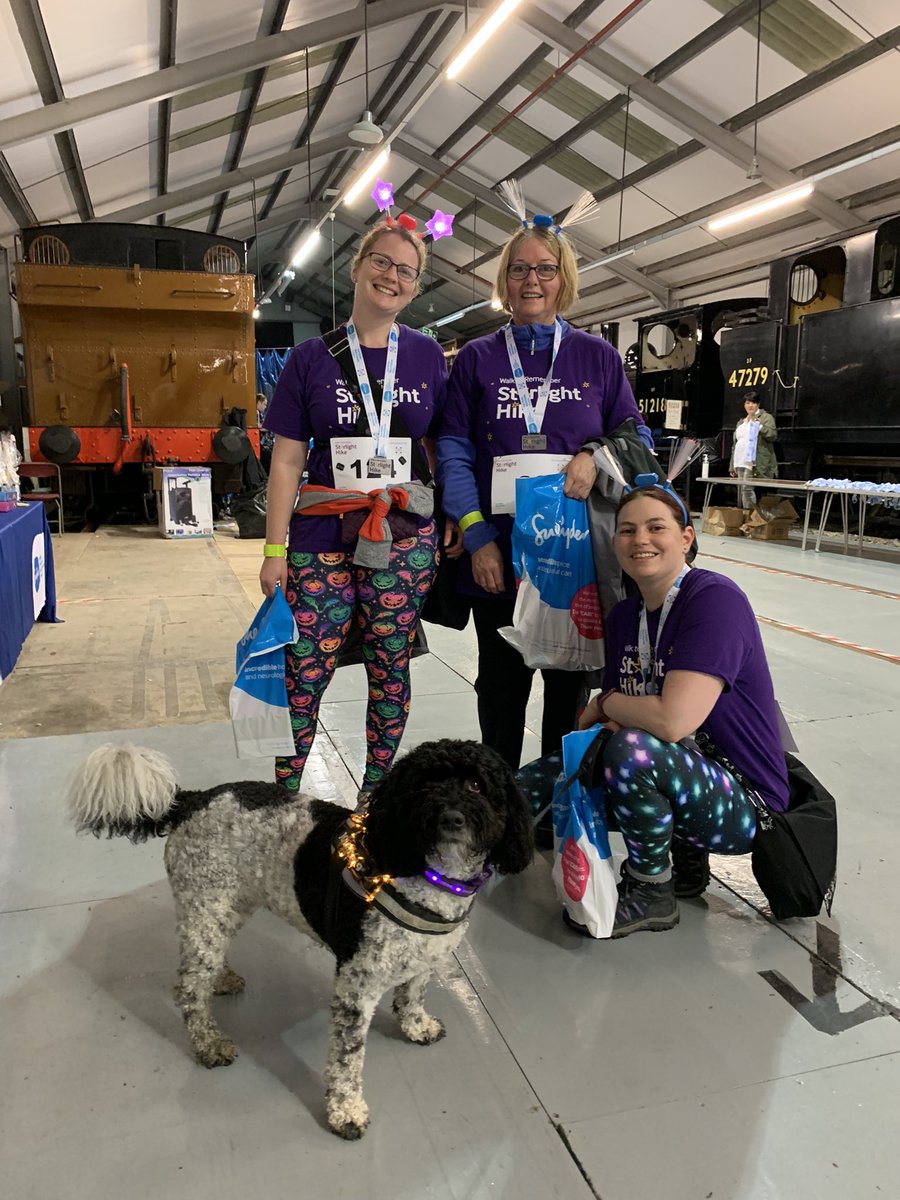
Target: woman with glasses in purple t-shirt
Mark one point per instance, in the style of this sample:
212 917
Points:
684 657
527 397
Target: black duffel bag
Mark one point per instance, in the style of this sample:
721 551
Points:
795 852
794 856
249 510
444 605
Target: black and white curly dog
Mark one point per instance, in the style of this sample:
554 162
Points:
387 889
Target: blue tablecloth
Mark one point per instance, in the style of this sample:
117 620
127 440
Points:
27 582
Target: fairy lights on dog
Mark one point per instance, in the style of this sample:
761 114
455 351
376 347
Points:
349 848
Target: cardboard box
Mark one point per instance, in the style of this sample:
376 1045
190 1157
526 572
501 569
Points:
771 520
184 502
772 531
724 522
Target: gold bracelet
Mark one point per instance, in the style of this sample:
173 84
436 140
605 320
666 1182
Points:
271 551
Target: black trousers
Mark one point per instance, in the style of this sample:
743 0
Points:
504 685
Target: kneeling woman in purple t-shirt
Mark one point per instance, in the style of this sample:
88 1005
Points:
686 656
329 578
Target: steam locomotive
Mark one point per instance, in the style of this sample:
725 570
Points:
138 352
821 353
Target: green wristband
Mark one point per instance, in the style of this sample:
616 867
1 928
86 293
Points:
270 551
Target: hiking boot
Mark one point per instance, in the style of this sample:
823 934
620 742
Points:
642 905
690 869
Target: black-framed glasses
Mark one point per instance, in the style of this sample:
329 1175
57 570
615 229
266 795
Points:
381 262
545 271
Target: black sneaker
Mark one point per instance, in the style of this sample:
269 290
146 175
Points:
690 869
642 905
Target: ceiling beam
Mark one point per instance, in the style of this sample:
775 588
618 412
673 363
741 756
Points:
33 32
168 26
713 136
480 191
13 198
210 187
270 23
66 114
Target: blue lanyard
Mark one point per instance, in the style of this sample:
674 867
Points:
380 426
649 685
533 414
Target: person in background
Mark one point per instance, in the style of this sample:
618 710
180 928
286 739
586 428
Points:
753 451
683 658
266 437
326 589
571 387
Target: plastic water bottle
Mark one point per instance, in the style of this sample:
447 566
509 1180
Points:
704 467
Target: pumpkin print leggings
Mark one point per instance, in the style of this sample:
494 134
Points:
326 593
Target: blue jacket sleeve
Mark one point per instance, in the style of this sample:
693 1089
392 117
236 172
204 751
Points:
456 476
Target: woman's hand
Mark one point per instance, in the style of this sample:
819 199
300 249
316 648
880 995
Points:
580 476
487 567
453 540
591 714
273 573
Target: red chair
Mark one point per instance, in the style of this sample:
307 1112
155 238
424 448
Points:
39 473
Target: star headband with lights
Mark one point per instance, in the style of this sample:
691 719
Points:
440 225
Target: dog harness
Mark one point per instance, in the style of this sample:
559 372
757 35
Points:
379 891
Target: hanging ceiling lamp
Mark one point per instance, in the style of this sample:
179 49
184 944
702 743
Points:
365 132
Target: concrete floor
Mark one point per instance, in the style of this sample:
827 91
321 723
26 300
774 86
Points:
732 1059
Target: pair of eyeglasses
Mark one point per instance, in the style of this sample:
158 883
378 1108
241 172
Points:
381 262
545 271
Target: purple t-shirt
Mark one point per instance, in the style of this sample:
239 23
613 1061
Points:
711 629
312 402
589 398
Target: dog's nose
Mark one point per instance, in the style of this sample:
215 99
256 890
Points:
452 820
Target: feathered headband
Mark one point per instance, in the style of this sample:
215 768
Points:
440 225
585 208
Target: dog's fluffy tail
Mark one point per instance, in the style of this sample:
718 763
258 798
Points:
123 791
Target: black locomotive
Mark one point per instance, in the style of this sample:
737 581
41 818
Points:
822 354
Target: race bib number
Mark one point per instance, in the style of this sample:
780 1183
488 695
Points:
510 467
356 464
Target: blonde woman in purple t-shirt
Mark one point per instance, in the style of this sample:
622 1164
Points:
575 391
684 658
312 553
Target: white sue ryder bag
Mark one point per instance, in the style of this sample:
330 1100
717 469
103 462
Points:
582 860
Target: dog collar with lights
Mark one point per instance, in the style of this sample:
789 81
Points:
459 887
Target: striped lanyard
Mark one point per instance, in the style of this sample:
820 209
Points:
533 413
648 666
380 426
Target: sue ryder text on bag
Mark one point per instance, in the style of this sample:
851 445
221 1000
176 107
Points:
582 860
556 620
260 716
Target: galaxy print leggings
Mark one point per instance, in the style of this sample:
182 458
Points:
656 788
324 592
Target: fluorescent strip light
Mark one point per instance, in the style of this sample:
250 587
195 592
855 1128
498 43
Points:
483 31
860 160
776 200
454 316
301 254
607 258
366 176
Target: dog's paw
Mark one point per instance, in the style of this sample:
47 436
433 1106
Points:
215 1052
422 1029
229 983
348 1118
